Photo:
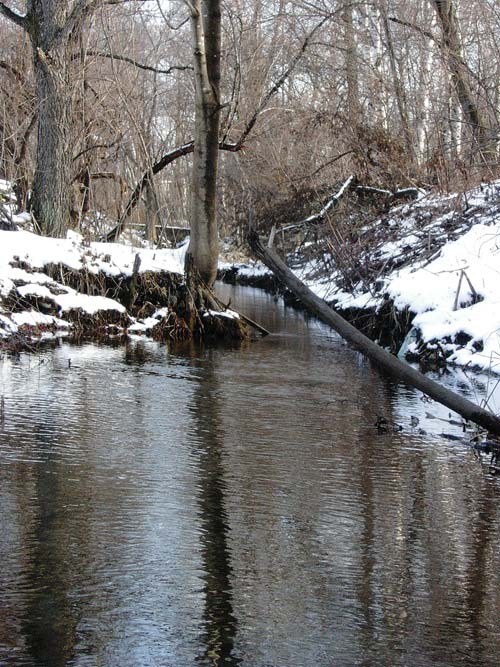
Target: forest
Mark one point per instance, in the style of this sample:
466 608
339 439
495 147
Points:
353 135
99 96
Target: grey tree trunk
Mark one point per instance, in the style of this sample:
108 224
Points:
52 38
478 123
51 192
203 251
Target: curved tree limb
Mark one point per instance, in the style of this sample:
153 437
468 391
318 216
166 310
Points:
331 203
164 161
131 61
13 16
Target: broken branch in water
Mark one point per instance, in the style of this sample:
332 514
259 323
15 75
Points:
386 361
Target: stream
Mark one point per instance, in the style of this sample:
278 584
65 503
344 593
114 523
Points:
186 505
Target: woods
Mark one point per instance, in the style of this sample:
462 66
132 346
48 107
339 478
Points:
398 95
249 332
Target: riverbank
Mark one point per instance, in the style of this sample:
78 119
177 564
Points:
422 280
70 287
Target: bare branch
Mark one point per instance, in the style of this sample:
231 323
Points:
164 161
331 203
131 61
13 71
279 83
95 147
77 16
413 26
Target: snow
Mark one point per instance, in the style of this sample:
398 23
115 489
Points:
250 269
429 288
465 322
229 314
34 253
33 318
111 258
146 325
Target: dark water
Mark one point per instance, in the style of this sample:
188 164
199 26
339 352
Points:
238 507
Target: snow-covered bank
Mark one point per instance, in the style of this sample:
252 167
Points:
439 259
431 268
38 296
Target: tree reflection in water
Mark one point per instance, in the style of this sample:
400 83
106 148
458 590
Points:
220 622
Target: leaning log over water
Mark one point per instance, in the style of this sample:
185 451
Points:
388 362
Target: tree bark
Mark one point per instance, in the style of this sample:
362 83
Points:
51 193
386 361
203 251
53 27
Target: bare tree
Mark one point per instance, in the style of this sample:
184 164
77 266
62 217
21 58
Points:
460 73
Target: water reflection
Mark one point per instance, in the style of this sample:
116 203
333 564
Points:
237 507
220 624
50 620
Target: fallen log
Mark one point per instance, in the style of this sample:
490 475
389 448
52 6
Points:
386 361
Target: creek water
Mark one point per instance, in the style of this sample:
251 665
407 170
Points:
237 506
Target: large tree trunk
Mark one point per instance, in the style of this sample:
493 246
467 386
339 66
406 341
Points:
52 37
53 27
203 251
51 193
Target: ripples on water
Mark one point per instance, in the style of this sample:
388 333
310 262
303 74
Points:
238 507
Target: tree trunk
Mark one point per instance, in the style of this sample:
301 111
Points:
351 67
398 86
51 193
473 116
53 27
203 251
153 217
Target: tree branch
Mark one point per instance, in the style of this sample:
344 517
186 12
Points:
331 203
279 83
164 161
131 61
13 71
77 15
413 26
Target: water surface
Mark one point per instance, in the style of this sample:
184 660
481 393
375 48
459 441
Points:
223 506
